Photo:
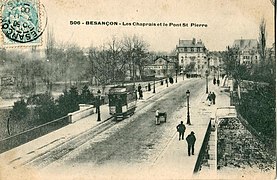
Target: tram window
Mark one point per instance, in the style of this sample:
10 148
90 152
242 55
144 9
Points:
112 99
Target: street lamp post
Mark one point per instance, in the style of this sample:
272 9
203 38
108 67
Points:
154 89
207 89
98 107
188 116
176 73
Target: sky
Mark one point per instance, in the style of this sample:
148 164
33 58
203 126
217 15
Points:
226 21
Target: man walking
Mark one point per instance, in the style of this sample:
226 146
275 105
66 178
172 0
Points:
209 99
140 91
157 117
213 96
140 94
181 128
191 141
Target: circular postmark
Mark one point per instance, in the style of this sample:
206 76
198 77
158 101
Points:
20 21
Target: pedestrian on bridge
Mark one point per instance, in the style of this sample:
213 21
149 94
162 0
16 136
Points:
149 87
157 117
191 141
181 128
209 98
218 82
140 92
213 96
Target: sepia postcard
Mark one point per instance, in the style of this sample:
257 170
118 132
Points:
150 89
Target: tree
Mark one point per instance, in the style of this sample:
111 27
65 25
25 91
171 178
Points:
86 97
68 101
45 108
19 110
190 67
28 72
262 40
135 51
117 62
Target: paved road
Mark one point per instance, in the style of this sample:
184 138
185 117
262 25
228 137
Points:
130 145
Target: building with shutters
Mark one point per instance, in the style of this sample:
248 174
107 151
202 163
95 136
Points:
192 57
162 67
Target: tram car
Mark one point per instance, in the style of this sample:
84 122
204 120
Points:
122 101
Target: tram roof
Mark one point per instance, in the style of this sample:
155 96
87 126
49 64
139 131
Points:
122 89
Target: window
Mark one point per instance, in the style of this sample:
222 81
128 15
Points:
182 61
192 49
185 49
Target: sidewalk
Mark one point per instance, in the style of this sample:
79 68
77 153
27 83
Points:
21 154
174 161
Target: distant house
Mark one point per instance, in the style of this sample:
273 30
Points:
162 67
192 51
248 51
215 64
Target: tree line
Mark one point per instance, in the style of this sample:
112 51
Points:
42 108
258 104
68 63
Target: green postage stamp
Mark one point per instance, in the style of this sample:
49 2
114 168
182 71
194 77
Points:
21 23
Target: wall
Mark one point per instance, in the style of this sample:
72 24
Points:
85 110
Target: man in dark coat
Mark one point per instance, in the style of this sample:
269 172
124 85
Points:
209 99
140 94
181 129
191 141
149 87
139 87
140 91
213 96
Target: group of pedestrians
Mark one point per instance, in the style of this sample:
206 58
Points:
181 128
216 81
211 98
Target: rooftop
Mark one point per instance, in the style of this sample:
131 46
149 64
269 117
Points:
246 43
190 43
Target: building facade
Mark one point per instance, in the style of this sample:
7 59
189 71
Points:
215 64
192 52
162 67
247 51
